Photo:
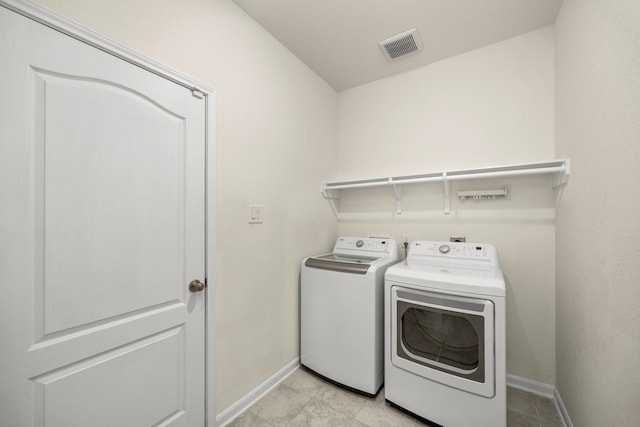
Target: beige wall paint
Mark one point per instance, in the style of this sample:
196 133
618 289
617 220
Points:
275 143
598 227
492 106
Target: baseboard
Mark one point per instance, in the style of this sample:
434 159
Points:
229 414
564 415
541 389
531 386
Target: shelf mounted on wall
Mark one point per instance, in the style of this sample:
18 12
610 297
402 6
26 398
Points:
558 169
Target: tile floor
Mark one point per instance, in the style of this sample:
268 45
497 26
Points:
303 399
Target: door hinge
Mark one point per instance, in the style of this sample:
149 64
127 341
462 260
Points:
197 93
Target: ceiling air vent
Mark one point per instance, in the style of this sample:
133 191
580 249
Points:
401 45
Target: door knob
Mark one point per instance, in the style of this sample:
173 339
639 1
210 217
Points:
196 286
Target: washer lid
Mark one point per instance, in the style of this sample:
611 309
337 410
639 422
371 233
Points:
341 262
480 281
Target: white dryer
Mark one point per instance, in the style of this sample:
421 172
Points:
445 345
342 312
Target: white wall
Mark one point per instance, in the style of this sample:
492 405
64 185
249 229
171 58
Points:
598 227
276 133
492 106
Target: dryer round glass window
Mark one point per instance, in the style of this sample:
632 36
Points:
442 339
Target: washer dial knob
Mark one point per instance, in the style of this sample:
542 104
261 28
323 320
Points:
359 243
444 249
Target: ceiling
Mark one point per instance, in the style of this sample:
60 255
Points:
338 39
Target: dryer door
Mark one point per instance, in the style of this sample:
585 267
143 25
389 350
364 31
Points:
444 338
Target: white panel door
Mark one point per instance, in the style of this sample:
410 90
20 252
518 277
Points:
102 184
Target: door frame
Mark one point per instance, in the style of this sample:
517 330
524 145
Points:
72 29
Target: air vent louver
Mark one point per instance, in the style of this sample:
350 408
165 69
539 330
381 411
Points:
401 45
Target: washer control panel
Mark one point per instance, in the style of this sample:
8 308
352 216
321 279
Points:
370 244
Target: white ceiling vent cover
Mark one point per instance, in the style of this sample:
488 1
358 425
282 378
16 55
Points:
401 45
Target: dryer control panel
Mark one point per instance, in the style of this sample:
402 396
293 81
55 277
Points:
435 251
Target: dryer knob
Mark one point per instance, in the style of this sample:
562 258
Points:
359 243
444 249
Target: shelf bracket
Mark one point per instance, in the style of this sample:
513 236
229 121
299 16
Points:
332 198
447 194
561 178
398 189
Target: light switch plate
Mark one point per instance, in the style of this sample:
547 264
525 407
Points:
255 214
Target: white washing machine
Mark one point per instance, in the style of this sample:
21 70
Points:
342 312
445 350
